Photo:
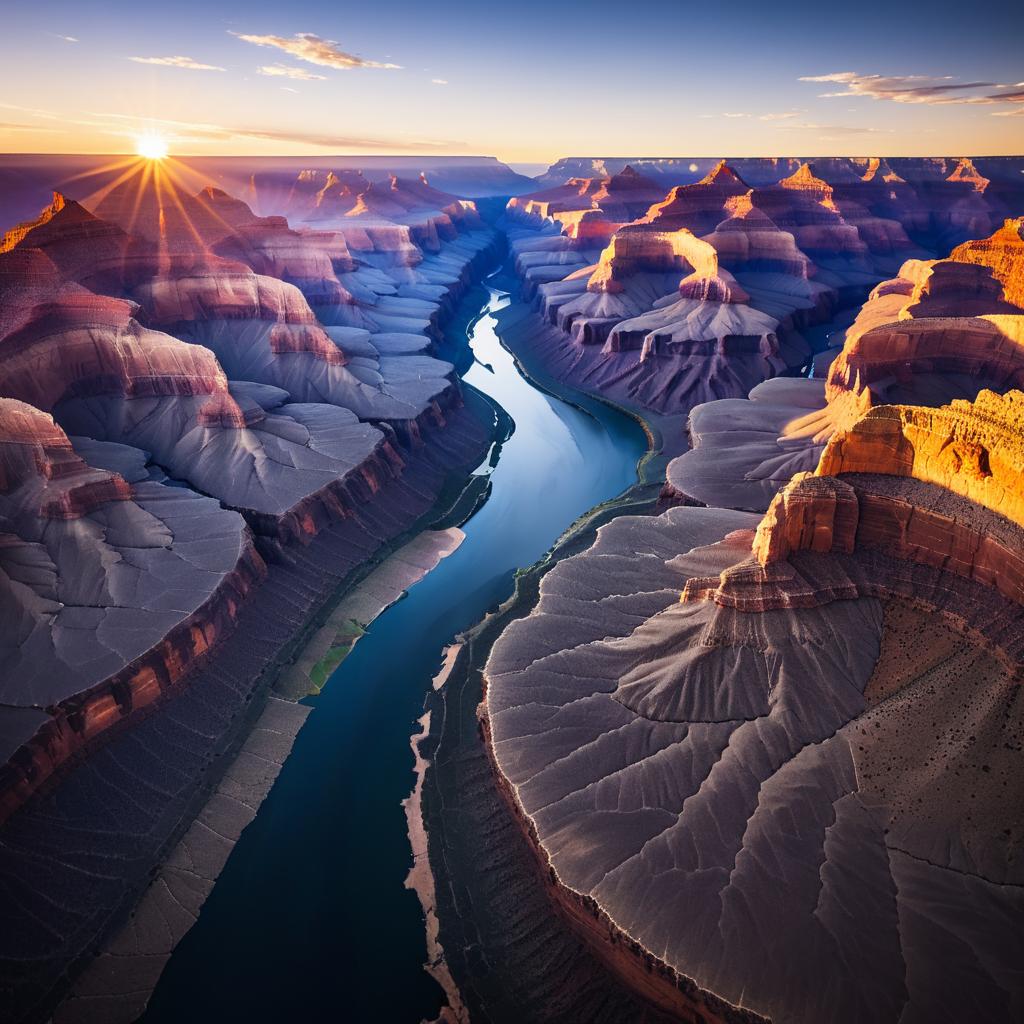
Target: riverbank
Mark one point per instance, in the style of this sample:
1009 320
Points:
329 851
494 925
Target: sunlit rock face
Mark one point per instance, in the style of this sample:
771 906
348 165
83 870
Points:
589 209
941 329
112 584
716 727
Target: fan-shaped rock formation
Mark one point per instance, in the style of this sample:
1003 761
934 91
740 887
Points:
812 730
112 586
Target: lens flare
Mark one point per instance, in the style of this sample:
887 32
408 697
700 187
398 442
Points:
151 147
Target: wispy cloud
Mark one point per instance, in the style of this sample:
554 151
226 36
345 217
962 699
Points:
288 88
185 63
186 131
46 115
439 81
734 115
67 39
832 130
314 50
285 71
1016 98
11 126
780 117
941 91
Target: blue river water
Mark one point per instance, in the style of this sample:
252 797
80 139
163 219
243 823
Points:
309 920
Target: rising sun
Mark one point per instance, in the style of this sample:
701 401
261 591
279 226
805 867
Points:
151 147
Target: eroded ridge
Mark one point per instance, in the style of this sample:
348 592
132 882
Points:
764 753
191 389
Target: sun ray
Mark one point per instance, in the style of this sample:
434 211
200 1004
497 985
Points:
92 172
95 198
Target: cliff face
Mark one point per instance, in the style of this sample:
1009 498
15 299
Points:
940 330
939 201
92 631
714 725
278 378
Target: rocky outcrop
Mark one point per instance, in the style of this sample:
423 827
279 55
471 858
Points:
941 330
112 587
1003 252
712 726
589 210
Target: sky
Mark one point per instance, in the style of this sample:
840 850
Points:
526 82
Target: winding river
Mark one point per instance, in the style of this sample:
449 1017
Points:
309 920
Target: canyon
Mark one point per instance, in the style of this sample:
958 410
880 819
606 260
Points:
761 680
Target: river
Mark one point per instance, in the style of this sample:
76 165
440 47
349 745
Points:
309 920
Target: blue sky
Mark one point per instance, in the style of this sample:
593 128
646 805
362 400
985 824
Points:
529 81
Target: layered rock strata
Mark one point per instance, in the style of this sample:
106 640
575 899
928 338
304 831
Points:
114 586
302 402
716 728
942 329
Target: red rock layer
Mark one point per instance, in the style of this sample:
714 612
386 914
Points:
854 503
34 450
1004 253
803 205
699 207
136 689
85 344
619 198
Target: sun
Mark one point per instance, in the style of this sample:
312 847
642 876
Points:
151 147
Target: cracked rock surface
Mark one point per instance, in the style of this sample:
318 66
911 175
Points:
803 812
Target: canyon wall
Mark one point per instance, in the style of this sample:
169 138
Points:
185 377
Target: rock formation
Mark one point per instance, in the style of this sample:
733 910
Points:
230 386
942 329
112 584
714 728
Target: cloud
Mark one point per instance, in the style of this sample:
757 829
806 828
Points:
178 131
186 63
735 115
314 50
67 39
11 126
46 115
439 81
780 117
285 71
940 91
833 129
1017 98
288 88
